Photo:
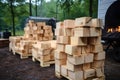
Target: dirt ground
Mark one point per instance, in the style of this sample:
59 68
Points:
13 68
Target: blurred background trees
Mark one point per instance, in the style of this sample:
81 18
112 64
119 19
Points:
13 13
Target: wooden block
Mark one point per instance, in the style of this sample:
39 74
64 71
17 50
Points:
59 25
97 22
95 32
60 55
60 47
57 68
80 41
75 60
60 61
44 52
99 72
88 57
82 32
43 45
94 40
64 70
45 58
89 73
67 32
99 56
77 75
83 21
45 38
69 23
41 24
53 43
41 31
63 39
52 52
73 67
71 50
98 64
83 50
59 32
96 48
34 28
86 66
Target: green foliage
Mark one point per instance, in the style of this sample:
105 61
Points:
60 9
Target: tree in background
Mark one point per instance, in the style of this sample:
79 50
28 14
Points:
15 12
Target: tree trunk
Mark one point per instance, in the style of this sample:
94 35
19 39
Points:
36 8
12 13
30 7
90 8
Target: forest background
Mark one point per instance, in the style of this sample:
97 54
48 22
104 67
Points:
13 13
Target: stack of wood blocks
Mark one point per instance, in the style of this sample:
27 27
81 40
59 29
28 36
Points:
38 31
44 52
20 46
79 54
34 32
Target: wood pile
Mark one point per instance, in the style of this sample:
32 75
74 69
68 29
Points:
44 52
34 32
38 31
79 54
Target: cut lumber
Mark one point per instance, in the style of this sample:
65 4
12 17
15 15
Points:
78 75
83 21
76 60
80 41
69 23
82 32
89 73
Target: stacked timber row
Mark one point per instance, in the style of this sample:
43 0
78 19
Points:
79 54
35 32
44 52
38 31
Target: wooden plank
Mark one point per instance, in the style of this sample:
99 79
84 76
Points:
98 64
94 32
71 50
99 72
63 39
94 40
58 68
64 70
75 60
89 73
86 66
73 67
82 32
59 25
67 32
99 55
96 48
89 57
59 32
83 21
60 61
79 41
60 47
69 23
60 55
97 22
77 75
45 62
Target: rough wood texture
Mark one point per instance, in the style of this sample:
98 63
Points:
83 57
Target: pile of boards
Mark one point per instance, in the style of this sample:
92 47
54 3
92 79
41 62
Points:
79 54
37 42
